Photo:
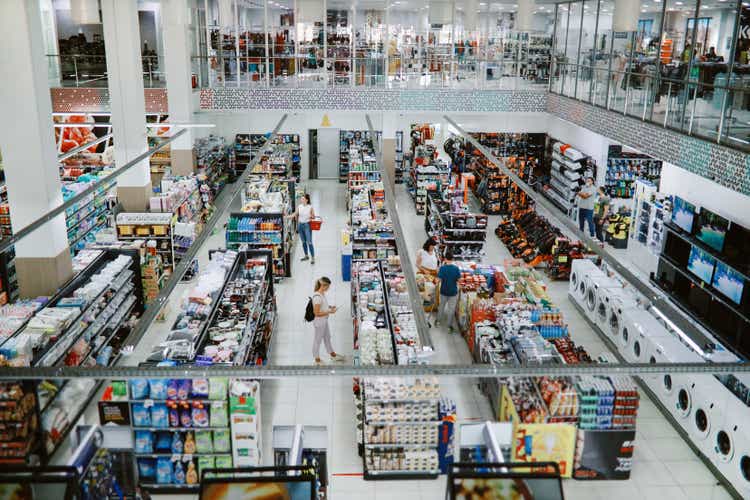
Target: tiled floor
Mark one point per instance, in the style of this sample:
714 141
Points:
664 467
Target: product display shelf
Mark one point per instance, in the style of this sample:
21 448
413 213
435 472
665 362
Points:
211 165
399 159
624 169
8 280
262 230
180 432
404 447
190 329
426 179
156 228
84 219
372 231
247 146
352 145
19 424
246 313
566 178
462 233
93 336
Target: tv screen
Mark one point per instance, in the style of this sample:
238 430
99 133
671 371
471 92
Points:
729 282
701 264
261 490
712 229
737 247
677 249
683 214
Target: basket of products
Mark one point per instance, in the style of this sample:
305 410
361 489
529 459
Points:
315 223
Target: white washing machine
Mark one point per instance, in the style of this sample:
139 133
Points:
731 442
595 289
637 329
612 301
709 399
581 269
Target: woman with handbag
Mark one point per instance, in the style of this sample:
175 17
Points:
322 310
304 214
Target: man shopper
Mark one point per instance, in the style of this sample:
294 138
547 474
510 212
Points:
448 274
586 198
601 212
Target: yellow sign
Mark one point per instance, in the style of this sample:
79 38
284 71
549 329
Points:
326 121
546 443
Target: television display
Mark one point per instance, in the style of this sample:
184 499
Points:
257 490
729 282
701 264
677 249
683 214
712 229
737 247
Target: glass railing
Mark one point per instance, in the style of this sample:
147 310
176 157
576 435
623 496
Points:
718 111
85 70
301 71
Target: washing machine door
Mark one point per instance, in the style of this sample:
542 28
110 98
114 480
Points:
701 423
683 401
614 322
602 311
724 447
591 298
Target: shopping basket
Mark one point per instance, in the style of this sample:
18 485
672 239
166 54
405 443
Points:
315 223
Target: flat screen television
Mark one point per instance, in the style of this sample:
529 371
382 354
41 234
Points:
737 247
728 282
701 264
270 488
683 214
677 248
711 229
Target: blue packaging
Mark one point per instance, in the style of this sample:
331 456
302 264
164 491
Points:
139 388
158 388
146 468
141 416
144 442
159 416
164 470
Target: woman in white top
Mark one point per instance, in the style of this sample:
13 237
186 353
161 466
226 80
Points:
427 261
320 323
304 214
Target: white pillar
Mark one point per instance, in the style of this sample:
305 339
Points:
27 141
525 16
179 86
625 16
122 42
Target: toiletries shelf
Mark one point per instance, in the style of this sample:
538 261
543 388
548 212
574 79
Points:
352 145
371 227
263 230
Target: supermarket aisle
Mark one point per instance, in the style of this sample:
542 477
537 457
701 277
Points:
664 467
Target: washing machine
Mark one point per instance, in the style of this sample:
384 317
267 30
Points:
636 326
731 440
612 301
705 423
595 286
580 271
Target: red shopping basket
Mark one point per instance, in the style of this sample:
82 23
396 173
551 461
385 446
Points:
315 223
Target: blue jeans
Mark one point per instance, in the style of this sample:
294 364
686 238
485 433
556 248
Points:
305 234
586 215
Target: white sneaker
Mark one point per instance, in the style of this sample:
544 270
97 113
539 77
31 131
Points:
339 358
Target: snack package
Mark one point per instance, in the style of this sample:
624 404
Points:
144 442
139 388
164 470
219 416
157 388
141 416
221 441
159 416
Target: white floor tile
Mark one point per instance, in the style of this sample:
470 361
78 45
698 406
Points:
662 493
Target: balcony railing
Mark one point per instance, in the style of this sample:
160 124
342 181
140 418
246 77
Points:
84 70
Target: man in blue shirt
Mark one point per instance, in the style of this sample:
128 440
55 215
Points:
449 274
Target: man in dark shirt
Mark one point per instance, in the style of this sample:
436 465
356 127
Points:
449 274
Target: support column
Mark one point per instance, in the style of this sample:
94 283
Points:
122 42
179 86
43 260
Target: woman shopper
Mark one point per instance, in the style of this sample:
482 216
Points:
320 323
304 213
427 261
